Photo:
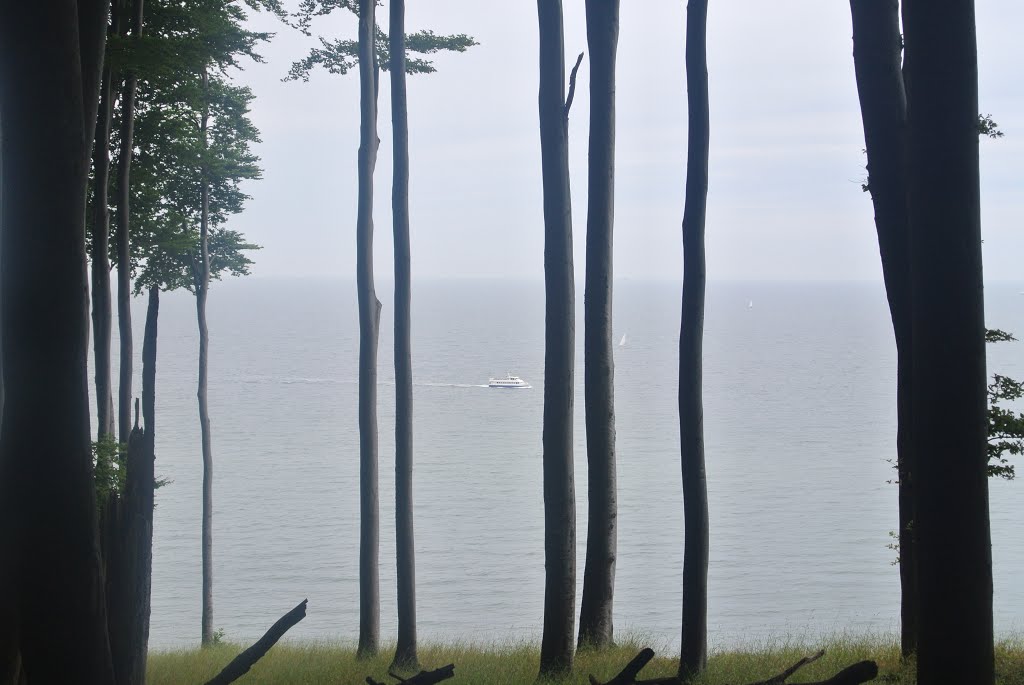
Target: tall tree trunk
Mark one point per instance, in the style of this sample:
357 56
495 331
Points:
877 48
139 501
694 647
599 372
124 270
102 311
93 16
54 584
405 650
131 531
202 289
369 322
949 419
556 655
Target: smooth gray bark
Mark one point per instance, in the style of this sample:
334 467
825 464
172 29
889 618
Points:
694 647
53 604
596 626
877 58
202 289
949 404
102 308
369 326
556 656
93 16
405 649
124 271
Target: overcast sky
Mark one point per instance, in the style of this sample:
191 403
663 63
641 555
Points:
786 146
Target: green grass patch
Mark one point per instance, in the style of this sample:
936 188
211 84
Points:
516 663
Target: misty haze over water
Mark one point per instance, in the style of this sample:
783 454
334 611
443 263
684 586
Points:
800 422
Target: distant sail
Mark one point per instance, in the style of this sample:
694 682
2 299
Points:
750 304
622 343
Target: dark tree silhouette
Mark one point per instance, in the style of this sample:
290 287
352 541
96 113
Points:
877 48
51 56
556 652
596 627
369 324
405 649
948 404
694 647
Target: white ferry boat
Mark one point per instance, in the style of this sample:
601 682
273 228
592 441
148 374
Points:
509 381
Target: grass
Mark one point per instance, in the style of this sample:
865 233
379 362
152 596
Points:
516 663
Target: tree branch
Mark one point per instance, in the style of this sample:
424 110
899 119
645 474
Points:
241 664
572 86
421 678
860 672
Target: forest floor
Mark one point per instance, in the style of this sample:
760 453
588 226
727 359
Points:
516 664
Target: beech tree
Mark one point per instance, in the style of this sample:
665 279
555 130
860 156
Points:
185 257
881 86
369 322
556 651
99 234
51 58
391 53
948 377
694 647
877 56
405 549
124 278
192 135
596 626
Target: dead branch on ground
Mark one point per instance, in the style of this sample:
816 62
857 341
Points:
860 672
241 664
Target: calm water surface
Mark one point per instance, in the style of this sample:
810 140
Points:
800 427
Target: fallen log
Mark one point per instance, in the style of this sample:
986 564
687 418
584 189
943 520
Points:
241 664
860 672
421 678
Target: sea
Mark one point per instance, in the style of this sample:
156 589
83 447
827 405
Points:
800 426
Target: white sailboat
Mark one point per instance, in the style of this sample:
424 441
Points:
750 304
622 342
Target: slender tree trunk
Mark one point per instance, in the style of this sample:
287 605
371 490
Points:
54 602
93 17
124 270
599 372
369 321
949 411
202 289
405 651
102 310
877 57
694 647
131 531
556 656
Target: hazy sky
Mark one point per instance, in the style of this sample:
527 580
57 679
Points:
786 146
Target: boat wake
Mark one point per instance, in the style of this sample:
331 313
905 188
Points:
298 380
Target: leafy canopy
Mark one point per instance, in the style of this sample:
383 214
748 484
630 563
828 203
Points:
181 41
340 56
